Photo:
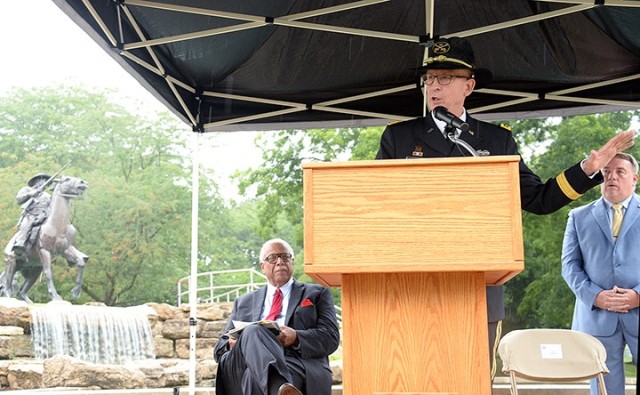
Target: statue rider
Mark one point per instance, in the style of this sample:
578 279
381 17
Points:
35 209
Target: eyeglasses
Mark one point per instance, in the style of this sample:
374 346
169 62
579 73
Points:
442 79
273 258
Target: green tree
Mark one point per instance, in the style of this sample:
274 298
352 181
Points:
539 297
135 220
278 181
536 297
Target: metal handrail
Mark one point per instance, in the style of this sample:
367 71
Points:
212 293
227 292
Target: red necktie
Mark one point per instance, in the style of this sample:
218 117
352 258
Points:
276 306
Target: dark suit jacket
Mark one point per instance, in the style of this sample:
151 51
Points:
421 138
315 324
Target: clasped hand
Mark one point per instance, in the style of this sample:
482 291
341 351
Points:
618 300
287 337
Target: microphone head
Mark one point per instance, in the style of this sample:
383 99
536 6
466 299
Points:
442 114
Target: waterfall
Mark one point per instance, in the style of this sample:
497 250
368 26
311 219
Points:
98 334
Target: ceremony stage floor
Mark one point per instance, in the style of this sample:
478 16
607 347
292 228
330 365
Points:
500 387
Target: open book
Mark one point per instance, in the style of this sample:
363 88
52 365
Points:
240 325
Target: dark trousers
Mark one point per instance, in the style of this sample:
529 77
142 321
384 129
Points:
257 365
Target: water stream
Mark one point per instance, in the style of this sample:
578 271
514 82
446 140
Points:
98 334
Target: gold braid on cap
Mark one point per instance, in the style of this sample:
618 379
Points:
442 58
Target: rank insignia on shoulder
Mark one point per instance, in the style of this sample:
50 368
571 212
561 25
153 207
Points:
417 151
505 126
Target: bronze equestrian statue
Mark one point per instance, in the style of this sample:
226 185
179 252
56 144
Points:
44 232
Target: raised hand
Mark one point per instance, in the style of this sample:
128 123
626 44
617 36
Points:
598 159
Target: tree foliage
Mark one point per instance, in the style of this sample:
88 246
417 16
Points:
135 220
538 297
278 181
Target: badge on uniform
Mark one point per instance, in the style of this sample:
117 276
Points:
417 151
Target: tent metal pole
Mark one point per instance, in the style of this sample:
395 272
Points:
253 117
171 81
253 99
195 10
331 10
558 96
100 22
608 3
193 282
194 35
429 20
157 71
522 21
346 30
367 95
597 85
593 101
502 104
508 93
363 113
141 35
160 68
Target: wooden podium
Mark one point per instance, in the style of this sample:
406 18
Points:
412 243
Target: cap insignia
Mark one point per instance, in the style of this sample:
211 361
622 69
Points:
441 47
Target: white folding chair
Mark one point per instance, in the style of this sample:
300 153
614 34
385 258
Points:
552 355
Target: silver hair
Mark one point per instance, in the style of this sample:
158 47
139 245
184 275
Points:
275 241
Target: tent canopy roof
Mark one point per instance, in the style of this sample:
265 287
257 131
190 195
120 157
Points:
282 64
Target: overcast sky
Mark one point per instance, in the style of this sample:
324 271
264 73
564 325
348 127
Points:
42 46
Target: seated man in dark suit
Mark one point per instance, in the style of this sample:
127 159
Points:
295 361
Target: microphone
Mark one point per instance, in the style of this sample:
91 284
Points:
444 115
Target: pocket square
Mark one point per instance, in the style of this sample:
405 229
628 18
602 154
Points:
307 302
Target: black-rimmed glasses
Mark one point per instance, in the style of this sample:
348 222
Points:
442 79
273 258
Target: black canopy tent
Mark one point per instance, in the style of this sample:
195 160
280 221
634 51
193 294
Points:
282 64
229 65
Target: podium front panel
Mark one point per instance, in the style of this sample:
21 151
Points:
449 214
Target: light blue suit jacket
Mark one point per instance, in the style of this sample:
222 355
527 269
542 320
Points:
592 262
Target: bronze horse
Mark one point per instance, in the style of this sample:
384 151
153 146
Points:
55 237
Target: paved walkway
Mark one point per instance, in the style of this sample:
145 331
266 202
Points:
501 387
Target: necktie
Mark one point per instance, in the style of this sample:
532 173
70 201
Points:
616 222
276 306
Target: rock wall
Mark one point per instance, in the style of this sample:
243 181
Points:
170 327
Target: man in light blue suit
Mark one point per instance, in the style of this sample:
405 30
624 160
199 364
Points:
603 271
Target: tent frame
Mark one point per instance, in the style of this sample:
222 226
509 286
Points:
294 21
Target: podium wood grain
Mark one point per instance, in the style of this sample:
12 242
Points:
412 243
410 331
